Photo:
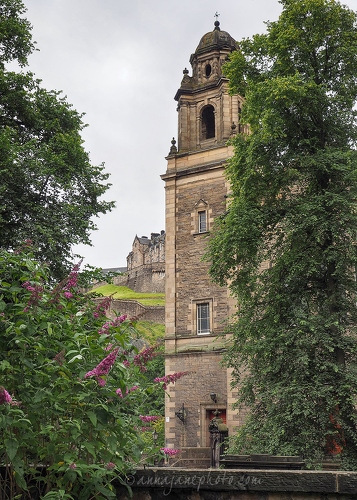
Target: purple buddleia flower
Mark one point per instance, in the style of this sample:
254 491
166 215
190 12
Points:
72 279
103 368
5 397
36 294
170 378
148 418
170 451
128 391
102 307
104 330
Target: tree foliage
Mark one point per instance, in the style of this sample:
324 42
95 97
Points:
74 390
49 190
287 244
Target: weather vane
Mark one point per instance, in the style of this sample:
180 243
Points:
216 15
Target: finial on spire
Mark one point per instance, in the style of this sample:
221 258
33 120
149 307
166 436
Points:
173 148
216 23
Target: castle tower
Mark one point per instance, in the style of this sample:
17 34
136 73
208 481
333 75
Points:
196 309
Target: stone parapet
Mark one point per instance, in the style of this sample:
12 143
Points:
240 484
134 309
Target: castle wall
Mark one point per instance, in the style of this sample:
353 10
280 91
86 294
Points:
148 278
146 264
134 309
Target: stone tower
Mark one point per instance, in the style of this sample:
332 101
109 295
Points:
196 309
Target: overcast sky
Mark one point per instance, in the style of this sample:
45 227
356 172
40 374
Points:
121 62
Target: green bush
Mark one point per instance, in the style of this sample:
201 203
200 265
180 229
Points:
70 391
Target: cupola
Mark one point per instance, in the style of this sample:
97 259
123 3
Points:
206 111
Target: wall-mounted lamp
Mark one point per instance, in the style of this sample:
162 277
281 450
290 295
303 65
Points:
155 436
181 413
213 396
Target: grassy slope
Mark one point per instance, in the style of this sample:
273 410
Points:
125 293
151 332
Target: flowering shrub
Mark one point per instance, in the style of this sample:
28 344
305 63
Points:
103 367
102 307
170 378
5 397
170 452
72 280
128 391
144 356
149 418
62 424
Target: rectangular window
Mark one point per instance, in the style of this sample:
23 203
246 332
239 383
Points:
203 319
202 221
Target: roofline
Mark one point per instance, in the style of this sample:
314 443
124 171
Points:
201 89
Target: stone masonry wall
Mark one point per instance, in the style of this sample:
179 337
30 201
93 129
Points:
144 279
193 281
194 183
147 278
182 484
134 309
193 390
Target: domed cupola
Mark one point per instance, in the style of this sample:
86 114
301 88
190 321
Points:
208 59
216 39
206 111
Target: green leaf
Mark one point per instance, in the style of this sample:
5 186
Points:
90 448
20 480
105 491
28 363
77 357
72 351
11 446
4 365
92 417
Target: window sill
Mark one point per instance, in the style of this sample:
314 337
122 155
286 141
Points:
198 234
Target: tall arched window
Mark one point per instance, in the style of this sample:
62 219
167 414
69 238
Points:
208 123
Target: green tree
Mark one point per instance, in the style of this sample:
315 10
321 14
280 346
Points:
287 244
49 190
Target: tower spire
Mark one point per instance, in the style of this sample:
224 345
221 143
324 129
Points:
216 23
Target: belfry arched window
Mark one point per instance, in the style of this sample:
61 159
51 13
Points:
208 123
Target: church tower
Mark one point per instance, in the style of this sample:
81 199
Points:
196 309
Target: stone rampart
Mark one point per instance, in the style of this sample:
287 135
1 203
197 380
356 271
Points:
134 309
148 278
